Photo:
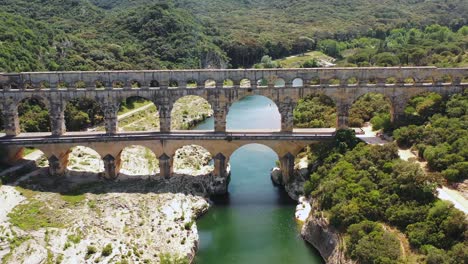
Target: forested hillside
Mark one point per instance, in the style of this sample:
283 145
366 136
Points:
154 34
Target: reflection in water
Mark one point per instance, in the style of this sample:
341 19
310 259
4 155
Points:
254 223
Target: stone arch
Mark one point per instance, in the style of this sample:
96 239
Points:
100 84
241 115
44 85
187 111
28 85
410 81
173 83
34 114
314 81
192 83
210 83
464 79
137 113
391 81
228 83
83 113
137 161
352 81
316 110
79 85
83 160
154 84
298 82
279 83
262 82
193 160
445 79
118 84
372 107
245 83
135 84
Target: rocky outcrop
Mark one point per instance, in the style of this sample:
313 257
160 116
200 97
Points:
318 232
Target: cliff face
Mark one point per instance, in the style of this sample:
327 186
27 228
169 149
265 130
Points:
325 239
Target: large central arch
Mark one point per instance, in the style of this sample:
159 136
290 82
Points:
253 112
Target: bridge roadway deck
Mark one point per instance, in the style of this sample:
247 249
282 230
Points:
195 135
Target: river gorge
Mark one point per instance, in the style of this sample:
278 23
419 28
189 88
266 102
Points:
255 222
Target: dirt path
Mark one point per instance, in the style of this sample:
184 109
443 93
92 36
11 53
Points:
444 193
134 111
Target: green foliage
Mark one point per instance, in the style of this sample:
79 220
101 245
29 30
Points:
369 106
82 113
369 243
34 215
107 250
169 259
33 115
315 111
441 136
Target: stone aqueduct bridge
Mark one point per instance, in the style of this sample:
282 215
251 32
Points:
283 86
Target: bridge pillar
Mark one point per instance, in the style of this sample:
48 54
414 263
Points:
164 118
287 167
286 110
220 166
110 110
111 167
9 155
398 109
57 165
165 166
220 113
342 116
57 118
11 119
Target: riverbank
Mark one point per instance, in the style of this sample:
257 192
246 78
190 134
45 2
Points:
136 221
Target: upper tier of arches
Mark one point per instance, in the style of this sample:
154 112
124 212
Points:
232 79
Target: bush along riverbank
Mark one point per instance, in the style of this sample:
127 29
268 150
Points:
369 206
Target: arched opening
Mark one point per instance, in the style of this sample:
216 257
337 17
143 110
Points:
83 114
445 79
80 85
422 106
135 84
253 112
210 83
298 82
188 111
353 81
372 81
228 83
315 111
154 84
251 169
84 161
371 109
409 81
262 83
192 84
279 83
193 160
118 84
28 85
390 81
245 83
334 82
173 84
315 81
99 85
464 80
63 85
44 85
33 115
138 114
138 162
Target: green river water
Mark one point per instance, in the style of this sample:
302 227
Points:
255 222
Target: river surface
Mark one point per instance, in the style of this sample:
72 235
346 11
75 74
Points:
255 222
